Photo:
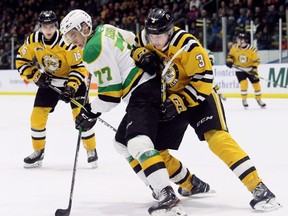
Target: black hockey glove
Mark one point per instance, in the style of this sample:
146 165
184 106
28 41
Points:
229 64
42 80
149 61
174 105
67 94
86 119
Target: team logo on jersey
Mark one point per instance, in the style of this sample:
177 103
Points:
243 58
52 63
172 75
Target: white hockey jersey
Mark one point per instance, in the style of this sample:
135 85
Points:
107 56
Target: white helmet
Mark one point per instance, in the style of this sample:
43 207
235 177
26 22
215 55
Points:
74 19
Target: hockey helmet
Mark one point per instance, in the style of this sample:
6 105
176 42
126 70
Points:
75 19
47 17
159 21
244 36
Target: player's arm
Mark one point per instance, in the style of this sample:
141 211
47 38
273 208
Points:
255 60
198 68
24 62
230 57
77 72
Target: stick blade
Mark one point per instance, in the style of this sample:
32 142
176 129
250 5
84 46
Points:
62 212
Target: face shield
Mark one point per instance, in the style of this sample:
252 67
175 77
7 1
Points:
160 40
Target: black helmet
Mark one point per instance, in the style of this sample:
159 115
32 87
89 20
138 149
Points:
159 21
47 17
243 35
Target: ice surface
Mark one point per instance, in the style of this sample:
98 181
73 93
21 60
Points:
112 188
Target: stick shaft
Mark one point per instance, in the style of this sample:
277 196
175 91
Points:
81 106
165 70
66 212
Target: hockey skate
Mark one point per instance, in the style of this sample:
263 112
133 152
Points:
261 104
168 204
245 104
34 160
92 158
199 188
264 200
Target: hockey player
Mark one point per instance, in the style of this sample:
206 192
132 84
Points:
190 94
106 54
45 60
244 57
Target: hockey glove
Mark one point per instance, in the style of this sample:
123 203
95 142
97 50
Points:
67 94
147 60
86 118
254 74
42 80
174 105
229 64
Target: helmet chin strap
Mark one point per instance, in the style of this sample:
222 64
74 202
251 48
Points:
243 45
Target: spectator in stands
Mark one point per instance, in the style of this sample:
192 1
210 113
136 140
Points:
15 14
231 28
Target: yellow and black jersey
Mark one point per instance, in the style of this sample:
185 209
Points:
246 57
54 57
190 74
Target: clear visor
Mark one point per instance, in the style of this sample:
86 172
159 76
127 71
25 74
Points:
158 37
68 39
70 36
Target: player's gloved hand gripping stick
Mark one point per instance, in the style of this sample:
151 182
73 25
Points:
72 100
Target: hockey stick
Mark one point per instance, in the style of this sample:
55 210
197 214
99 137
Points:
66 212
81 106
166 68
251 73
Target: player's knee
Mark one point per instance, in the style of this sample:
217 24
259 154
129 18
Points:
138 145
39 117
121 149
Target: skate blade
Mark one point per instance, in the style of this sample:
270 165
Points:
267 206
209 193
34 165
94 164
175 211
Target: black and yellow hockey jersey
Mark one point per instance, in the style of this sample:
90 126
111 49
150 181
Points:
190 74
246 58
58 60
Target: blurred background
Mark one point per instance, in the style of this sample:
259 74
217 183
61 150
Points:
215 23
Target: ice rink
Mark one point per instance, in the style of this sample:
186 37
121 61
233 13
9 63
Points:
113 189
